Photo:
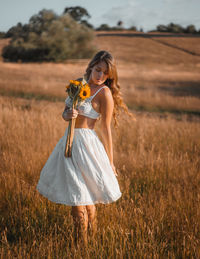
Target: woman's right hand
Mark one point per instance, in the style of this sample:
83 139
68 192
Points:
69 113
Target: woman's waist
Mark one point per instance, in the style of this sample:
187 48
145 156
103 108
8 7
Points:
84 123
84 128
80 132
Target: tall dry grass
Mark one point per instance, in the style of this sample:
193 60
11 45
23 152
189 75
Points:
158 215
144 88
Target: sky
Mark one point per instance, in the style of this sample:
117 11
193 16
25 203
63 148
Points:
145 14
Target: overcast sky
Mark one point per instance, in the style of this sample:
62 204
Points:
146 14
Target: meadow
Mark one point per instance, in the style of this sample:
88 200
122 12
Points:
157 156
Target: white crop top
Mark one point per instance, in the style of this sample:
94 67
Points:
85 108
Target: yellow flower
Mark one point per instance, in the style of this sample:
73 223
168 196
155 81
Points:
77 83
67 86
74 82
84 92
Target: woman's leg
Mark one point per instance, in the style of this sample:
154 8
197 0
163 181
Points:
92 220
80 218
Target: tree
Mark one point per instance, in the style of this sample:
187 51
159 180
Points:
104 27
79 14
14 31
162 28
175 28
87 24
49 37
119 23
40 22
133 28
190 29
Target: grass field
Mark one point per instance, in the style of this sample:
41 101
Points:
158 215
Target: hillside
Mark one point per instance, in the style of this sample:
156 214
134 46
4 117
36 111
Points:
141 50
152 75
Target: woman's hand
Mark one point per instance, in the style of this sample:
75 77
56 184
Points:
114 169
69 113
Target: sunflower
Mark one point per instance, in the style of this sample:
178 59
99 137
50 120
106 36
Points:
84 92
75 82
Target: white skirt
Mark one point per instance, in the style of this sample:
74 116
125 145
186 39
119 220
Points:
86 178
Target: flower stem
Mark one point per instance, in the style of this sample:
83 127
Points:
70 133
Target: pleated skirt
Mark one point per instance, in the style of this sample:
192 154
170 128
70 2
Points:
85 178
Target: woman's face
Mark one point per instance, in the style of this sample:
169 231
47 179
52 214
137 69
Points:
99 73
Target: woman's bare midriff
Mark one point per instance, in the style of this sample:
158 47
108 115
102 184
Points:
84 122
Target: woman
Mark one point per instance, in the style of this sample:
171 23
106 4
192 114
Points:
89 176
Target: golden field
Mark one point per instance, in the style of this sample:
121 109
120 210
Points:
157 156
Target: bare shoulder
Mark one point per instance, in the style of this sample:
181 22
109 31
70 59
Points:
106 99
106 93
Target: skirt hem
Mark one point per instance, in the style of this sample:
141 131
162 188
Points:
79 204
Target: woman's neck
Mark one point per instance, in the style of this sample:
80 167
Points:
91 84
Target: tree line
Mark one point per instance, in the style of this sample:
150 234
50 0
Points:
52 37
170 28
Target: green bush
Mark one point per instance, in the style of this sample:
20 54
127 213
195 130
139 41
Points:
49 37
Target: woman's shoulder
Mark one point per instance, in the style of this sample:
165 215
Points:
106 90
106 94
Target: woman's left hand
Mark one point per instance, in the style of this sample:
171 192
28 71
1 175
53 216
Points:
114 169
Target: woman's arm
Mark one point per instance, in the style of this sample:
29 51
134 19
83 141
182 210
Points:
106 110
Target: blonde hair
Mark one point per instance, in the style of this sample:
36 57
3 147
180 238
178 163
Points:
111 82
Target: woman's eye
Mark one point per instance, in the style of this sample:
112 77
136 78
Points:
99 70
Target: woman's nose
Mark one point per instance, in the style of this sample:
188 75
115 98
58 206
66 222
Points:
100 74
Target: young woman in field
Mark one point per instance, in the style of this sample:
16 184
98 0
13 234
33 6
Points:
89 176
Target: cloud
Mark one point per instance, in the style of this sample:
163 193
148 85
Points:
148 14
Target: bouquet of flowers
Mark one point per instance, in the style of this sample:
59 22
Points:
78 91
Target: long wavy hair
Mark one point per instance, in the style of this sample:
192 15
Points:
111 82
